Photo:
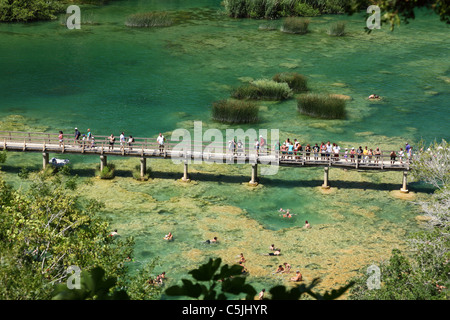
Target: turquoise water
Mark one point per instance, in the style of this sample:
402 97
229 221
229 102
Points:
111 78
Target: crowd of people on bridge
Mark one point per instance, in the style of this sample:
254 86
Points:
294 150
332 151
288 150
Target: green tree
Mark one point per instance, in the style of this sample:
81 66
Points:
424 273
395 12
29 10
45 230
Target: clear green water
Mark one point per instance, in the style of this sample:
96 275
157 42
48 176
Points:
111 78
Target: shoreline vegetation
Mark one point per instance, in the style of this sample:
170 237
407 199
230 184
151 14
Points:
38 10
271 9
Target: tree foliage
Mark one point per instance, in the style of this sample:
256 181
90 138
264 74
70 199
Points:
45 230
29 10
395 12
424 273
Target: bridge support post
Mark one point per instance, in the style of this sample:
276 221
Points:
44 160
185 173
325 178
103 162
143 167
404 188
254 180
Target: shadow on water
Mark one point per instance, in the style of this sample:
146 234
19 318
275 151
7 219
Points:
241 179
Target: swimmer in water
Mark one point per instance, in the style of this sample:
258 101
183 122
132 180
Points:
277 252
168 236
213 240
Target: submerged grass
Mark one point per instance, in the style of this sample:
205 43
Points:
295 81
263 89
235 111
322 106
149 19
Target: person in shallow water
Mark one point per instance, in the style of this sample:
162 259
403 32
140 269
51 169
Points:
277 252
213 240
297 277
280 269
307 225
169 236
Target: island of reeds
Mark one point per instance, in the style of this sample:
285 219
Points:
263 89
296 81
235 111
149 19
321 105
295 25
337 29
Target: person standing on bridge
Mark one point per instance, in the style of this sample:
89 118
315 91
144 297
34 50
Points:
262 143
329 150
88 135
160 141
77 136
359 152
122 140
130 142
61 138
393 156
112 139
316 150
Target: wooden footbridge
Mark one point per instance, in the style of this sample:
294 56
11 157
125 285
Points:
145 148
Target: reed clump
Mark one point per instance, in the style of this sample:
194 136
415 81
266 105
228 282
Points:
296 81
149 20
321 105
337 29
108 171
263 89
235 111
295 25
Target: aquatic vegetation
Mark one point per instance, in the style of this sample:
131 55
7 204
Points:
273 9
295 25
107 172
321 106
295 81
337 29
3 156
263 89
137 173
235 111
149 19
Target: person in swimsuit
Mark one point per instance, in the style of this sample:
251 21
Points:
297 277
169 236
277 252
